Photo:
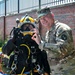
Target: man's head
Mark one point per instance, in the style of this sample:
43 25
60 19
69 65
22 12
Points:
46 17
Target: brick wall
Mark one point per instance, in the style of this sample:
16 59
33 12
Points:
2 28
64 13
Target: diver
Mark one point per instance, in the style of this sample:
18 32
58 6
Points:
27 58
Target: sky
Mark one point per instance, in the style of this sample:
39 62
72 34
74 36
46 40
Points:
0 0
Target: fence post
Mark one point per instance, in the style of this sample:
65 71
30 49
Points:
39 4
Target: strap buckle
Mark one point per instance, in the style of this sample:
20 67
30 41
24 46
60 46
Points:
13 67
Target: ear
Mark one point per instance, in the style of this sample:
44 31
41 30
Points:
52 14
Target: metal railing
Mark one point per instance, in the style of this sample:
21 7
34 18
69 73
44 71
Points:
16 6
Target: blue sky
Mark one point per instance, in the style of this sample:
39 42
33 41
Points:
0 0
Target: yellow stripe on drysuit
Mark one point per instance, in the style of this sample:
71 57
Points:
28 55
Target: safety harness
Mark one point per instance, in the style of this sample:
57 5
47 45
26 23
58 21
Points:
14 65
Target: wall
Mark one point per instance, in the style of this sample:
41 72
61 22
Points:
2 28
